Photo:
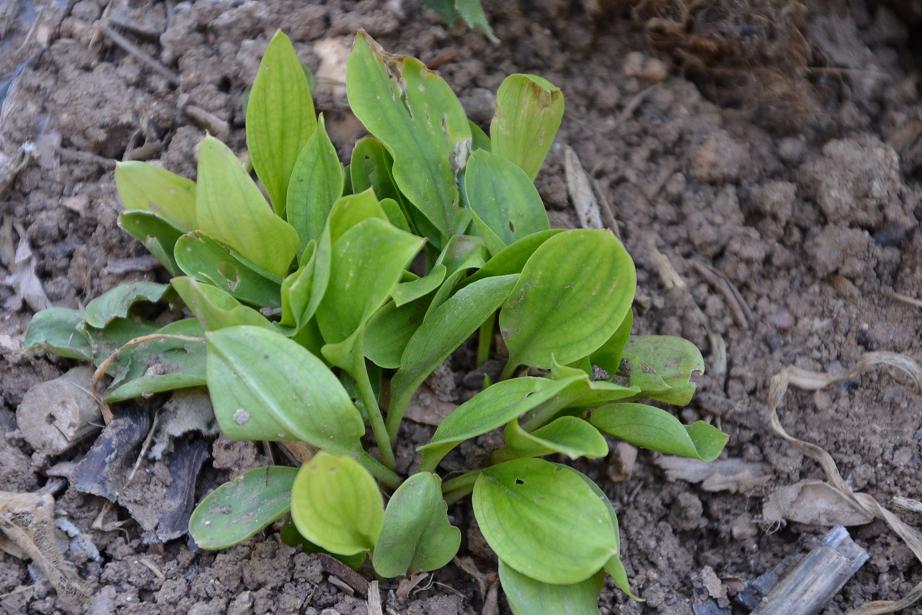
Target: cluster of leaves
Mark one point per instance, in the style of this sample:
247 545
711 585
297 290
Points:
318 310
468 11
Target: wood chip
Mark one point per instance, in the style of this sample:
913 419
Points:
579 186
374 599
343 573
733 475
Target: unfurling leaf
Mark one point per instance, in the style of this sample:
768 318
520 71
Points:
416 534
544 521
528 113
335 504
239 508
317 181
654 428
661 366
279 117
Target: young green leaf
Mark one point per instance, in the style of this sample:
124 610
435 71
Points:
59 330
567 435
661 366
389 331
480 139
371 168
117 302
419 120
608 356
441 333
513 257
472 13
528 113
615 568
503 198
544 521
145 187
214 308
412 290
488 410
527 596
416 534
317 180
367 263
230 208
201 257
239 508
352 209
155 232
279 117
335 503
654 428
264 386
300 296
571 297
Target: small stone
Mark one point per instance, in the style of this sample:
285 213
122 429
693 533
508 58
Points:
621 462
743 527
792 149
655 70
634 64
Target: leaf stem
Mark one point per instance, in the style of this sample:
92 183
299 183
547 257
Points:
509 369
464 482
377 469
360 373
485 339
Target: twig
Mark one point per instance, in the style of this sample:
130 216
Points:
152 567
740 311
374 599
905 299
124 24
81 156
138 53
208 121
31 32
342 572
144 448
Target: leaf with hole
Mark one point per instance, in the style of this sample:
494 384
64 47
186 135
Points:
527 596
264 386
658 430
118 302
335 504
504 200
417 117
279 117
416 534
242 507
544 521
441 333
528 113
573 293
317 181
662 365
231 209
144 187
201 257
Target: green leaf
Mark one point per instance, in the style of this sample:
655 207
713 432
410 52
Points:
335 503
419 120
155 232
264 386
300 294
214 308
242 507
528 113
441 333
389 331
472 13
527 596
317 180
160 365
513 257
201 257
571 297
58 330
231 209
480 139
615 568
543 520
395 214
279 117
488 410
367 263
117 302
416 534
608 356
145 187
412 290
118 332
661 366
352 209
568 435
370 167
503 198
655 429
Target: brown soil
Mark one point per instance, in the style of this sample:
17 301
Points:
803 190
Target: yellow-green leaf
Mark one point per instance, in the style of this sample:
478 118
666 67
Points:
145 187
317 180
528 113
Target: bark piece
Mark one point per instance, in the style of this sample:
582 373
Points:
56 415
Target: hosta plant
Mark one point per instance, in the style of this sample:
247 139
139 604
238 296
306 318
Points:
323 296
